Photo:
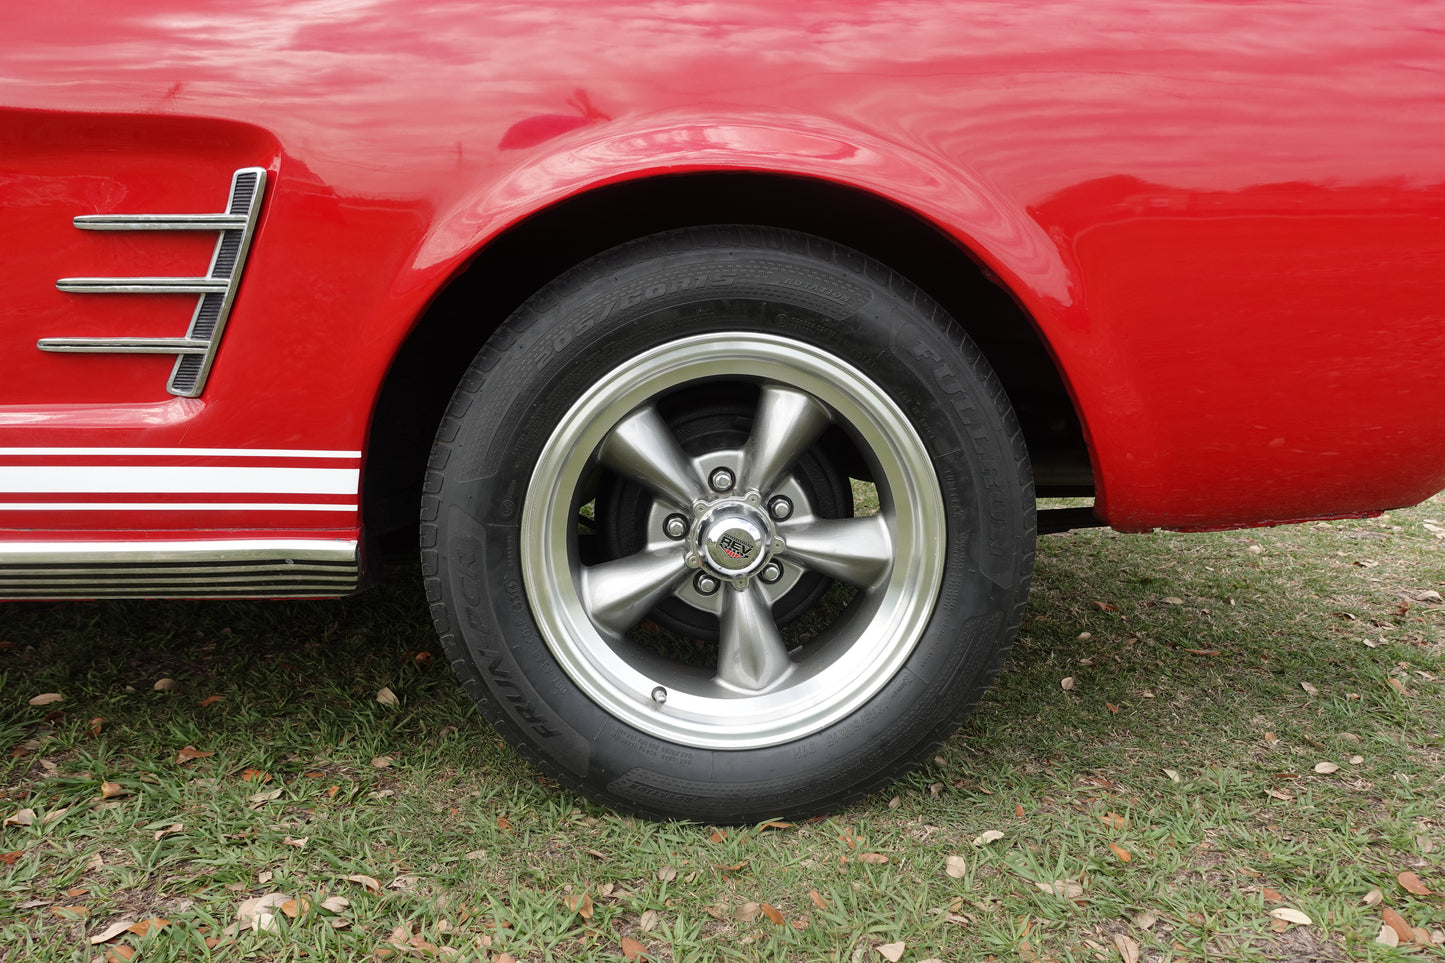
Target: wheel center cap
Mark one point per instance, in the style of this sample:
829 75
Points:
734 541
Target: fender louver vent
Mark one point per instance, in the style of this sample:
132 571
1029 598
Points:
197 350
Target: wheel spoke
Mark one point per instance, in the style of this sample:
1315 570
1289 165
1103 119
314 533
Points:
787 423
643 448
858 551
751 653
617 594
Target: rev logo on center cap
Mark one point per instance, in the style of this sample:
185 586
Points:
734 546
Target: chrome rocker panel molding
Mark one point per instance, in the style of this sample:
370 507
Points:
215 568
197 350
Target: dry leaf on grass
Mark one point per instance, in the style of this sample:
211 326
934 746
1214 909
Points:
718 835
25 817
145 927
1123 854
631 949
299 843
382 762
648 921
119 954
875 859
772 913
211 700
1127 947
165 685
1396 922
1412 884
892 952
1066 684
581 904
190 753
1387 936
386 697
1114 821
265 797
1374 897
667 874
955 866
170 830
1325 768
1309 689
111 932
1291 916
1173 775
260 913
112 790
983 839
335 904
1062 887
817 899
369 883
47 698
296 907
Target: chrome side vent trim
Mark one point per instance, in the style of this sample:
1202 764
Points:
256 568
197 350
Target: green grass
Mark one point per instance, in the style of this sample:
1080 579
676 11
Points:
1209 674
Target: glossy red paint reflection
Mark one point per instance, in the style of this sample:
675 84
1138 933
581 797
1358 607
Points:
1227 220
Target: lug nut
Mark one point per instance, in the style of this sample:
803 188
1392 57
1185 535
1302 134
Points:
771 572
705 583
659 695
721 480
675 526
780 508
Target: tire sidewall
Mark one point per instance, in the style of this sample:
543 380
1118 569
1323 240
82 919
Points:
646 295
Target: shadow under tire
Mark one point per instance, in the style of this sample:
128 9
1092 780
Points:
748 646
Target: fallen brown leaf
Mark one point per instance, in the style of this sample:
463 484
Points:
1397 923
191 752
1123 854
386 697
47 698
95 725
718 836
296 907
111 790
25 817
370 884
165 685
504 824
1113 709
170 830
667 874
1202 651
211 700
1114 821
259 914
892 952
119 954
818 899
111 932
581 904
955 866
1374 897
875 859
1271 895
255 775
648 921
382 762
145 927
1127 947
631 949
70 912
772 913
1412 884
1291 916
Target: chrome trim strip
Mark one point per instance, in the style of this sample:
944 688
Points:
160 222
140 286
196 352
180 550
254 568
124 345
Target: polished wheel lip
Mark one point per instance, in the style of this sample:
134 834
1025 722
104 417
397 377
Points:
832 677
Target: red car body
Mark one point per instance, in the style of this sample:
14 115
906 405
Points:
1202 243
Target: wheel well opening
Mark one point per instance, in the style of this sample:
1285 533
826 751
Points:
514 266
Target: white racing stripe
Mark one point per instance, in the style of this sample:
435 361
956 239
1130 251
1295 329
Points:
130 479
174 506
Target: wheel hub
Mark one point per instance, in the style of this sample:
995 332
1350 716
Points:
734 540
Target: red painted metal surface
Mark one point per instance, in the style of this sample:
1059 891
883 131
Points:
1227 220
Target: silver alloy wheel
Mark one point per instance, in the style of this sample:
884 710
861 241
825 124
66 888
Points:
760 693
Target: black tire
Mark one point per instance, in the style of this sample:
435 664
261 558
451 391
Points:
859 373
